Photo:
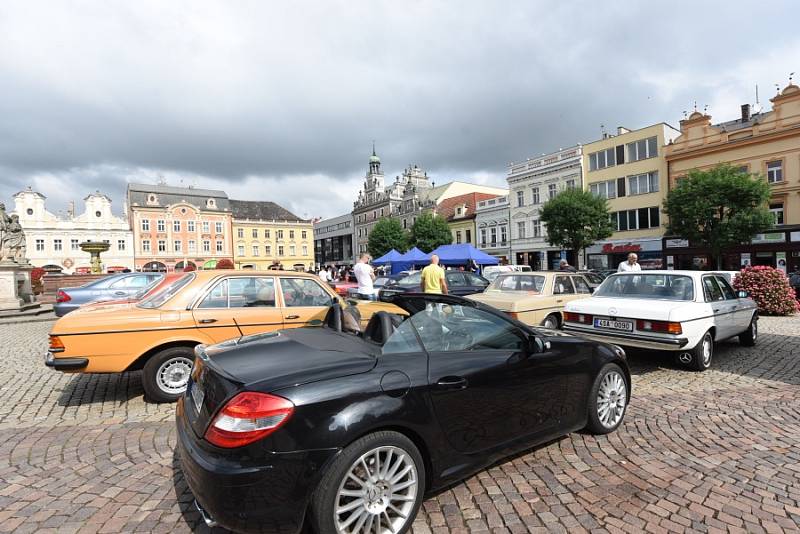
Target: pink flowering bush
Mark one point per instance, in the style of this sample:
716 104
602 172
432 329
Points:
769 288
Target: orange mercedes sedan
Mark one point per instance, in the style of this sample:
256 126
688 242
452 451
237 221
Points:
158 334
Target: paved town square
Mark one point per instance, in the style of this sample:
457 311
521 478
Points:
709 452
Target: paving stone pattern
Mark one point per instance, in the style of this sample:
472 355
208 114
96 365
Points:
710 452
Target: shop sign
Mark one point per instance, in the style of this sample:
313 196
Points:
780 260
608 248
794 236
773 237
745 260
677 243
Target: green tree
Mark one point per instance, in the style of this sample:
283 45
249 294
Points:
718 208
430 231
575 219
387 234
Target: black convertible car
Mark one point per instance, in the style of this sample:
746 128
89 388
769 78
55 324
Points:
351 429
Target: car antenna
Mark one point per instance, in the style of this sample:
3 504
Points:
241 334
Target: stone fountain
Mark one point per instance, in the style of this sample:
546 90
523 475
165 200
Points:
95 248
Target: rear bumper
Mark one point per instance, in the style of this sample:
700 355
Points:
61 309
269 497
65 364
629 340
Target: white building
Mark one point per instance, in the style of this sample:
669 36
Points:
531 184
54 241
491 223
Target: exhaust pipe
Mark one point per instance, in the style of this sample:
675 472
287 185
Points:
210 523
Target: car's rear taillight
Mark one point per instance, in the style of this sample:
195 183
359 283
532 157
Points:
659 326
62 296
56 345
583 318
248 417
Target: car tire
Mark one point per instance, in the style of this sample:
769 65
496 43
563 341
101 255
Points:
166 374
749 337
608 400
699 358
362 496
551 321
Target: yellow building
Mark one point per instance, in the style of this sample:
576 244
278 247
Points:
265 234
764 143
629 170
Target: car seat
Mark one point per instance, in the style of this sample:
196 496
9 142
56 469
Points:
333 319
351 320
379 328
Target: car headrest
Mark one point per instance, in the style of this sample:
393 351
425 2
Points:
351 320
333 319
379 328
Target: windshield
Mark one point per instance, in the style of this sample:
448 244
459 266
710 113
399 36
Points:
413 279
381 280
647 286
518 282
161 296
146 289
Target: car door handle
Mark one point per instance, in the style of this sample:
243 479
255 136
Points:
452 382
716 310
559 301
120 293
207 321
292 316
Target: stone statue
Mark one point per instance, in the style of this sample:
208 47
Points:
5 220
12 243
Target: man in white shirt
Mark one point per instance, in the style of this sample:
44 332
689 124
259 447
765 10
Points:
630 265
364 275
324 275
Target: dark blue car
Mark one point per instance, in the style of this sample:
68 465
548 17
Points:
112 287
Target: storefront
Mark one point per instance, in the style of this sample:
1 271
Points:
544 260
607 255
779 249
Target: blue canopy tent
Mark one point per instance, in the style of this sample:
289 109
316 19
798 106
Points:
390 257
462 254
412 258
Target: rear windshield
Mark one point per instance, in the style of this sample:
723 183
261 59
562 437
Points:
157 299
647 286
413 279
520 282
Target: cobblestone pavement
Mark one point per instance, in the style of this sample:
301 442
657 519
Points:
715 452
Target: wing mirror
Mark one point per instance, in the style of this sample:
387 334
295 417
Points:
537 345
743 294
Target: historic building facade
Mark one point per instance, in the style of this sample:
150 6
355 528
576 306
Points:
629 169
266 234
460 213
333 240
53 241
177 226
491 227
762 143
531 183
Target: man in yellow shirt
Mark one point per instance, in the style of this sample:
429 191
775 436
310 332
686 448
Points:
432 277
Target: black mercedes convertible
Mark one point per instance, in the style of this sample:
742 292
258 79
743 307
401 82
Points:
349 430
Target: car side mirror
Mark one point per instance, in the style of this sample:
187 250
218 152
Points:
743 294
537 345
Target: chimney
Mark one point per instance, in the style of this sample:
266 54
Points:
745 112
622 130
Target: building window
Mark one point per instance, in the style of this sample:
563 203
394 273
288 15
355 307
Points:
254 233
145 225
219 246
291 233
607 189
40 245
305 250
206 227
73 244
177 246
503 234
268 249
279 234
537 228
292 250
468 236
639 219
483 237
520 199
206 245
255 250
535 191
641 184
551 191
266 233
176 226
120 244
190 226
161 226
774 172
280 250
493 234
57 245
458 236
602 159
304 234
162 245
192 246
146 245
521 229
777 212
240 233
642 149
241 250
218 227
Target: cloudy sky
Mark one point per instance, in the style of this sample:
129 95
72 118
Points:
281 100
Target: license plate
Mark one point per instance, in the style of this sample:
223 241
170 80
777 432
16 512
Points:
613 324
197 396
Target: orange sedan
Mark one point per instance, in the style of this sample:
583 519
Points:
158 334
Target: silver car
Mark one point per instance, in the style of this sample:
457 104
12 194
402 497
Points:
112 287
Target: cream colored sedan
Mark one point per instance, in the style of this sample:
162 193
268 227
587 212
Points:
535 298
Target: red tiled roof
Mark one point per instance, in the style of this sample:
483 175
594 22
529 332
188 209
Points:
447 208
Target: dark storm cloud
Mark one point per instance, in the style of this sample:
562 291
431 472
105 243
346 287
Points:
282 100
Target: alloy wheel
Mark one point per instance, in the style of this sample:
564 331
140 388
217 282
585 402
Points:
551 322
377 493
173 375
611 399
707 350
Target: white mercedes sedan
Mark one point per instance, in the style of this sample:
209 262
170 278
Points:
684 312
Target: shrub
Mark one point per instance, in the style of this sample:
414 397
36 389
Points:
224 263
769 288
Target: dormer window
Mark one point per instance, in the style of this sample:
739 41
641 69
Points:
97 214
29 211
211 203
152 199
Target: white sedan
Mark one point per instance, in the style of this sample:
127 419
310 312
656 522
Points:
684 312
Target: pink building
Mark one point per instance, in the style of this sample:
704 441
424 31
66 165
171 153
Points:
176 226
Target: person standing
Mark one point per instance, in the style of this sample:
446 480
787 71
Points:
564 265
432 278
631 264
323 274
364 276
